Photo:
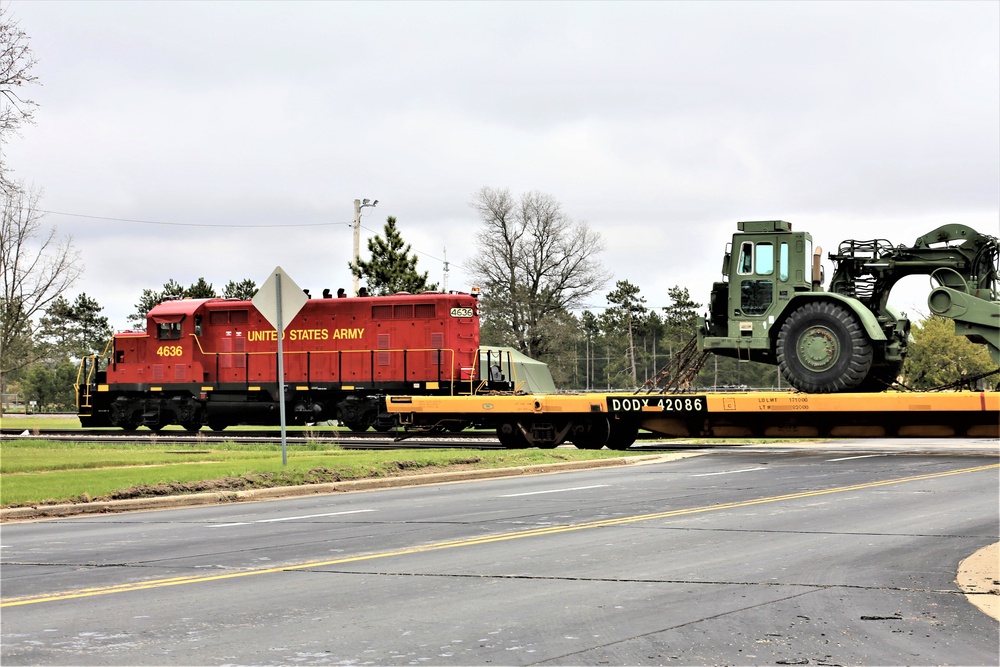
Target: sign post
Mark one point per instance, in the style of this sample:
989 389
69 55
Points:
280 293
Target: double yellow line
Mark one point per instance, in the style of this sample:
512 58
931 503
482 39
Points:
487 539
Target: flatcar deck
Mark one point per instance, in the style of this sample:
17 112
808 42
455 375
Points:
612 419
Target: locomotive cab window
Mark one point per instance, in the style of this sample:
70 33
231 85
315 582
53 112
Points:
168 330
168 327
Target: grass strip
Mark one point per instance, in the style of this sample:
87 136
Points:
33 472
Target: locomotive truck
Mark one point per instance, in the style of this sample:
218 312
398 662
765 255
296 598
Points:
214 362
771 306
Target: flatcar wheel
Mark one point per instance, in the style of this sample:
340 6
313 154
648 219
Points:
623 434
595 436
510 436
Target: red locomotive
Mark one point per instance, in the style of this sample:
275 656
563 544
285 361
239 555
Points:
214 362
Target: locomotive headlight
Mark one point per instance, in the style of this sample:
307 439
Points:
474 291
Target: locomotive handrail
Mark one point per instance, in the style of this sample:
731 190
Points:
108 346
92 368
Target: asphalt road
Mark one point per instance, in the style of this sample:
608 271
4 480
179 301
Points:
794 558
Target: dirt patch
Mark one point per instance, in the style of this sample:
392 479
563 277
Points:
264 480
271 480
979 577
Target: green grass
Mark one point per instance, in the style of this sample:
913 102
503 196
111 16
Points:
32 422
33 472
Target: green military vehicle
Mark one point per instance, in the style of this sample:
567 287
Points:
771 306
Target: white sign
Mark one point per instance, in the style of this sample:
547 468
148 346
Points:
291 295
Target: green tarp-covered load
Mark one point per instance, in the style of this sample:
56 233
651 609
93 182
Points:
529 376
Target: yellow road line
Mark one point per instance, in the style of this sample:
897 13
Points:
475 541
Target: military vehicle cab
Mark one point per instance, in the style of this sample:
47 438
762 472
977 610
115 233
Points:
763 267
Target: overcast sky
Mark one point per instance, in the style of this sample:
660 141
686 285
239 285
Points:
660 124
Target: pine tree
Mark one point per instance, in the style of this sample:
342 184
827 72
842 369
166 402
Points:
244 290
391 268
74 330
626 313
201 289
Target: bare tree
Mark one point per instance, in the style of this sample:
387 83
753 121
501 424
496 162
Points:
535 264
16 62
37 267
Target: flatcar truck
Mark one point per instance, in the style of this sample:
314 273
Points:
771 306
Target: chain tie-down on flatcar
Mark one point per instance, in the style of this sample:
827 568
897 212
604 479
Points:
679 372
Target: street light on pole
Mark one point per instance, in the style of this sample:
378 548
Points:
358 205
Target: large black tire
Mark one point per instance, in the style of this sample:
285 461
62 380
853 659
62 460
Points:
822 348
881 377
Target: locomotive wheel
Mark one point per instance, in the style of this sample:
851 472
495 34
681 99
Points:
358 426
623 434
595 436
128 420
217 426
191 428
822 348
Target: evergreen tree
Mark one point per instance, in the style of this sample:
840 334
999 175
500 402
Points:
243 290
590 326
391 268
680 319
625 315
201 289
74 330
